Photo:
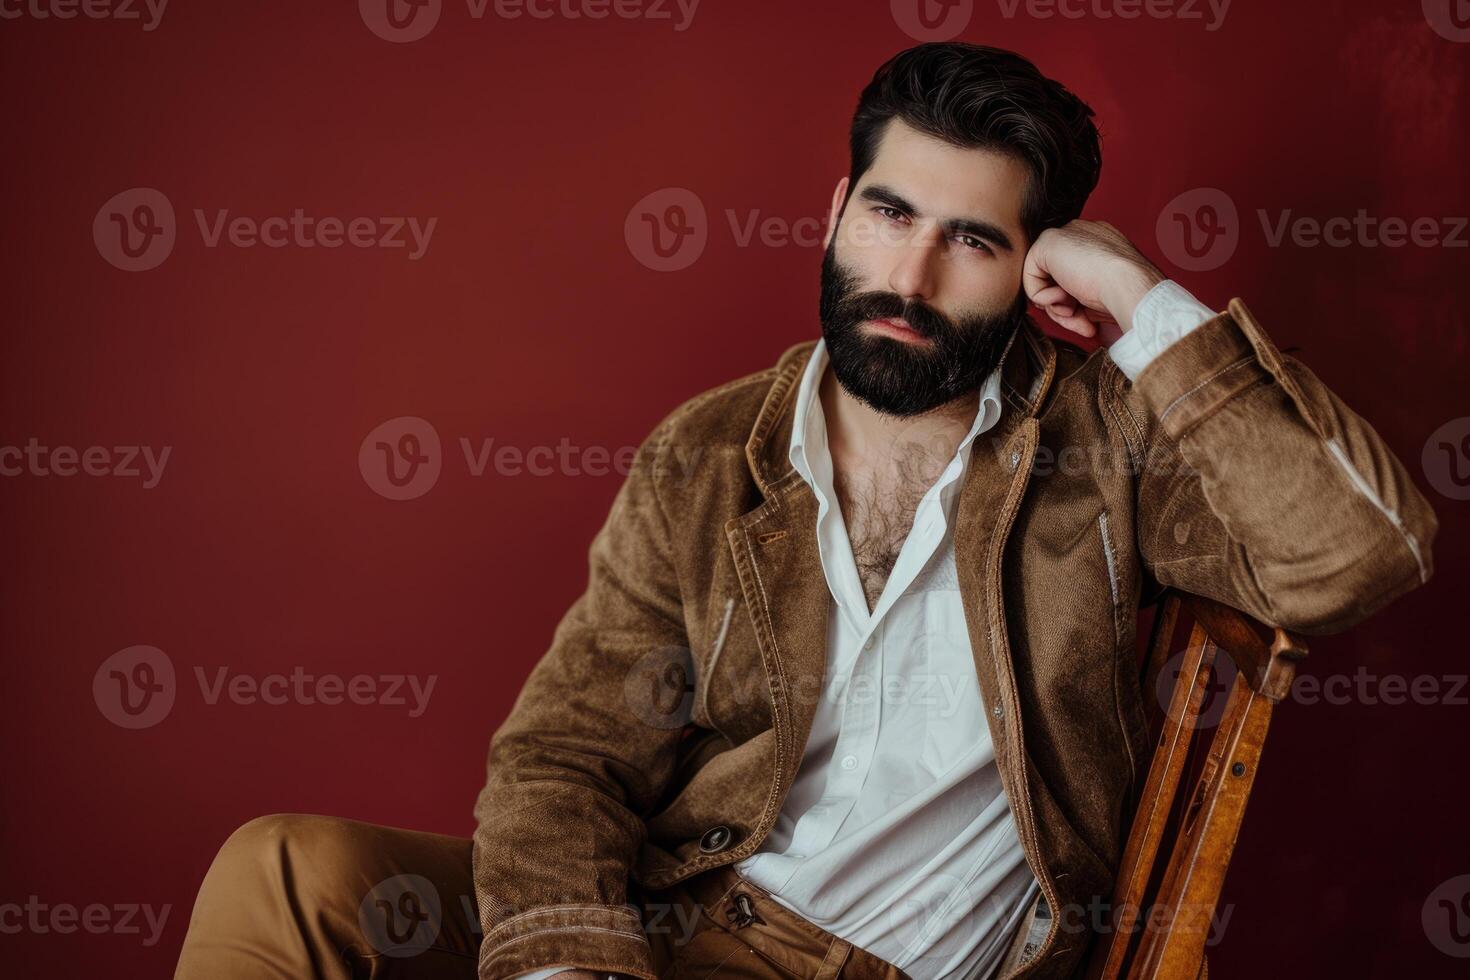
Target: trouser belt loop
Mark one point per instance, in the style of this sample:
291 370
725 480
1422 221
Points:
834 961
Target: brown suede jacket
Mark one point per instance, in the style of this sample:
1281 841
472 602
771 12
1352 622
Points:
660 733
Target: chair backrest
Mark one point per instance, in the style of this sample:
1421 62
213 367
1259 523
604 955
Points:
1180 843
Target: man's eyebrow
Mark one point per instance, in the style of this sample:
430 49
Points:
979 228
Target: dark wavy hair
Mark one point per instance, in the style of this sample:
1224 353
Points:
978 97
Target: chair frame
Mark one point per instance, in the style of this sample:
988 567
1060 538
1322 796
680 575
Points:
1179 846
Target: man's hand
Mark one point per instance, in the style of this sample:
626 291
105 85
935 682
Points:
1086 273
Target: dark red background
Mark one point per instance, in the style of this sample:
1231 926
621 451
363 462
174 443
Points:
529 321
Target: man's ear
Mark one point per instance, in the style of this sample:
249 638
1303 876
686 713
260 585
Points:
834 212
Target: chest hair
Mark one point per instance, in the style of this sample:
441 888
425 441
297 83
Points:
878 505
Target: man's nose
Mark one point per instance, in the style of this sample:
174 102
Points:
915 269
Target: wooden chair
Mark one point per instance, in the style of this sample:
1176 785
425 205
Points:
1179 845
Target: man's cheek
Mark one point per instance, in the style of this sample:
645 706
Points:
865 233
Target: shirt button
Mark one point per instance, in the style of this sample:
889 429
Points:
797 857
869 645
849 762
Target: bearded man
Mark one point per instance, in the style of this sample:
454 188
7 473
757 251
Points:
856 697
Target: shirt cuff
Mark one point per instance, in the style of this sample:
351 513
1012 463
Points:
1165 314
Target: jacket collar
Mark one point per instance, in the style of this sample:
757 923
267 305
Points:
1028 367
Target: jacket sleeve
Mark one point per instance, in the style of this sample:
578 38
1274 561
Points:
578 764
1259 488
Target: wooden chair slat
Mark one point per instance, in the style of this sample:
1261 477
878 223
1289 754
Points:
1157 799
1175 936
1180 842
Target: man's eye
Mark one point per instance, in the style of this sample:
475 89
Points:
892 214
970 241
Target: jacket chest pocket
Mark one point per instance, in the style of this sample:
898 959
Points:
732 693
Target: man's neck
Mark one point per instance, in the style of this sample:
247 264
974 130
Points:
862 439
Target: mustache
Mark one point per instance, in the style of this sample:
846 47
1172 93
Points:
925 320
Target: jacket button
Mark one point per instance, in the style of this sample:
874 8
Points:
715 839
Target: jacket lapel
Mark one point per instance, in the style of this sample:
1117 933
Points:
779 567
995 484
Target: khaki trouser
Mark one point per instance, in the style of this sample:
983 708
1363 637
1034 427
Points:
294 896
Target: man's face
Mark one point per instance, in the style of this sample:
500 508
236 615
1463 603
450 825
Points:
921 283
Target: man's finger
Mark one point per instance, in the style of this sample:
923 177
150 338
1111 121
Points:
1034 276
1076 322
1051 295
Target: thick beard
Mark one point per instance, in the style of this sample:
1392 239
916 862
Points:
901 379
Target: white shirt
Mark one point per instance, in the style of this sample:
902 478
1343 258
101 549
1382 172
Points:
897 835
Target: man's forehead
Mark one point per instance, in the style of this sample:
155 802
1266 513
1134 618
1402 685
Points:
946 181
